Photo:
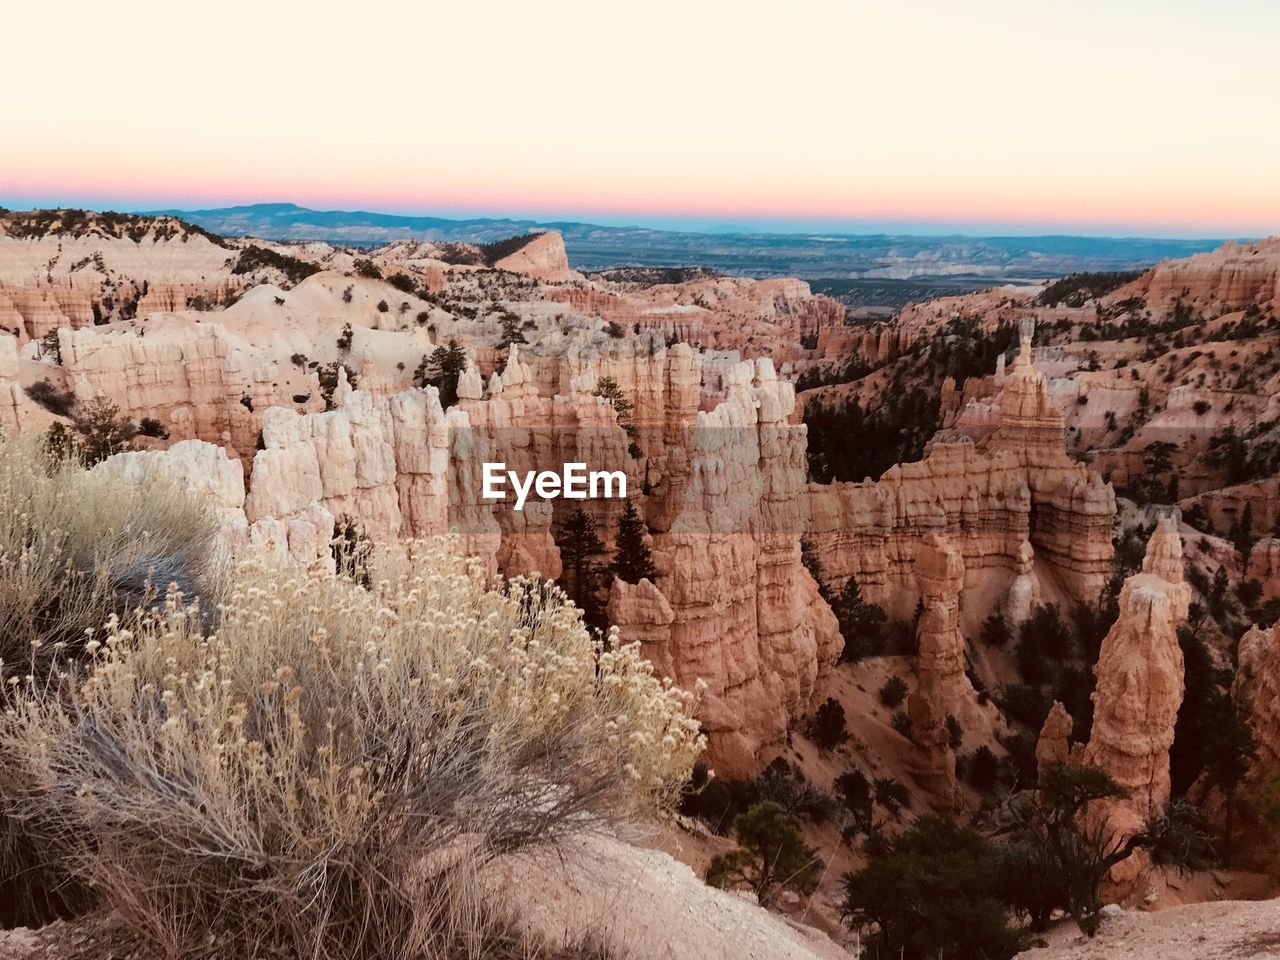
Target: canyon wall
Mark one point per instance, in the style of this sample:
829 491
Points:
1229 278
1030 522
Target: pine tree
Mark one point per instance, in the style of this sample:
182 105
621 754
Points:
441 369
1241 532
608 388
511 330
581 575
813 563
633 561
1230 750
862 624
771 853
995 630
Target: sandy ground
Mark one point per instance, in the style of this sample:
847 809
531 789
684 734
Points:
1228 930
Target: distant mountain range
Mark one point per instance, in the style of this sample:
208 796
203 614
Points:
881 266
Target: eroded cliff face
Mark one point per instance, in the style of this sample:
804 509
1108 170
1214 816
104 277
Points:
1031 523
60 269
542 258
941 684
727 518
1229 278
774 318
1139 689
302 538
1257 688
17 412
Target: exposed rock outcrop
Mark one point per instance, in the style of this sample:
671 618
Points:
1257 687
1054 743
302 538
1229 278
17 412
727 517
1139 689
542 258
941 685
1024 593
1013 500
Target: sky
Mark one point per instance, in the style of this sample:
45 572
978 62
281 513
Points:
1119 118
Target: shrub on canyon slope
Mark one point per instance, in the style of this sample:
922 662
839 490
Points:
827 726
76 548
771 854
893 692
323 775
51 398
254 258
932 892
96 432
1060 857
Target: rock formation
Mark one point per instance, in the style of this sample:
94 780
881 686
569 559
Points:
724 504
302 538
1257 687
941 685
1054 743
1139 686
1011 498
1229 278
1264 565
542 258
17 412
65 268
1024 593
726 517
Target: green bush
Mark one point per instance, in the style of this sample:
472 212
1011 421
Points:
854 789
995 631
901 722
932 892
827 727
862 624
56 401
97 432
771 855
893 693
254 258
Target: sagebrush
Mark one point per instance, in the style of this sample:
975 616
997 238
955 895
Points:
320 774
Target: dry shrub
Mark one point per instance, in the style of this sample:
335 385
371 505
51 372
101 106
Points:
76 547
322 775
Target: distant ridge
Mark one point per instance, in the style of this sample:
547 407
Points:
883 258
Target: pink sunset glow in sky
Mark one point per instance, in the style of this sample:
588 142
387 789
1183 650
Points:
1136 117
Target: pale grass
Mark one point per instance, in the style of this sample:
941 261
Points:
322 776
76 547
